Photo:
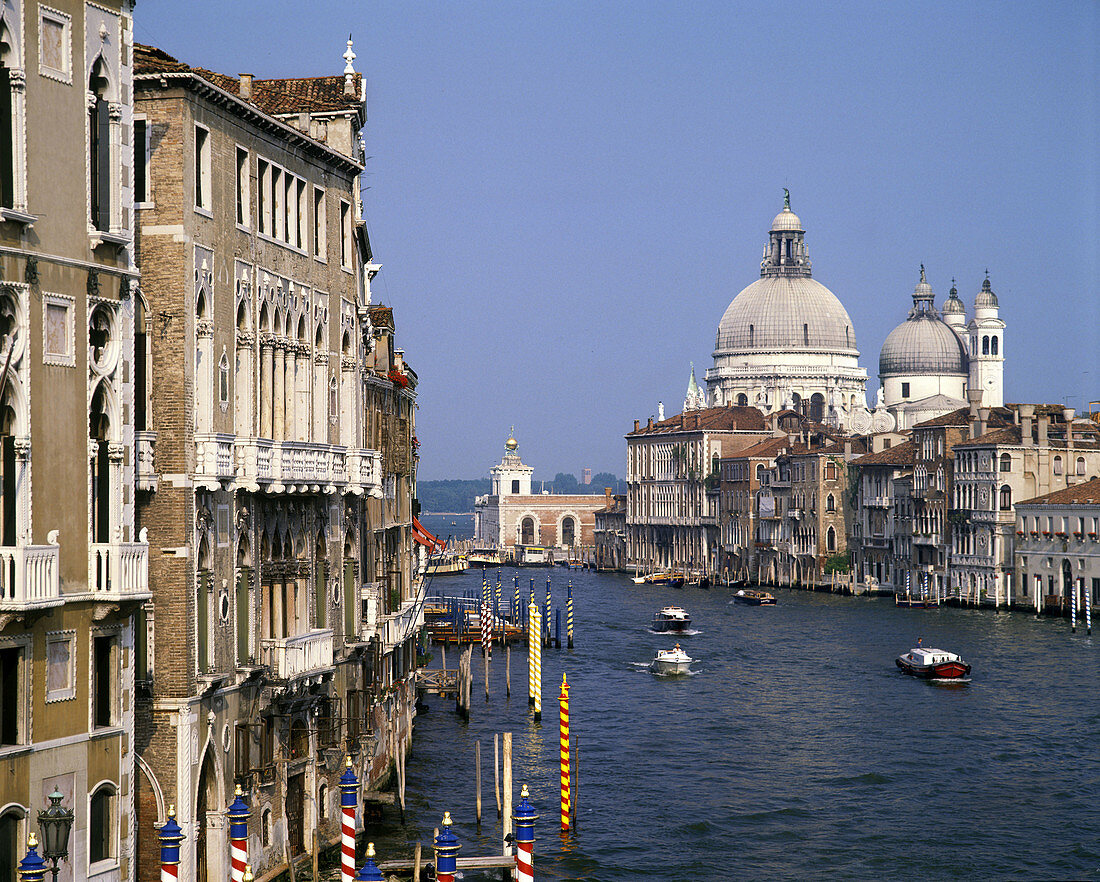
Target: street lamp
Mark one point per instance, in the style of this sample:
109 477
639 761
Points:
56 823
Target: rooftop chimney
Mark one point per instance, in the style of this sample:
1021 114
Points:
1027 414
635 425
246 86
303 122
607 495
1044 424
983 420
649 424
1068 413
974 396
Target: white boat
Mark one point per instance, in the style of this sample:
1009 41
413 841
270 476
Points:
671 618
931 664
671 661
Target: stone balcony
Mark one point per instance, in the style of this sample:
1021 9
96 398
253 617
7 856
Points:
302 655
305 467
979 516
213 460
119 570
30 577
877 502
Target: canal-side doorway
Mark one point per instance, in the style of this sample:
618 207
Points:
295 790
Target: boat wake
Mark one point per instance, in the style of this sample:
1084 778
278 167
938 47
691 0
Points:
950 681
690 632
647 667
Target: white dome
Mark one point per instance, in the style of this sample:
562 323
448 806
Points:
923 344
786 220
785 313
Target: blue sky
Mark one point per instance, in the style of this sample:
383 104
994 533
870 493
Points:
565 197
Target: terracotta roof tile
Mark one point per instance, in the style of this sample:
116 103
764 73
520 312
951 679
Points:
1079 494
710 419
998 416
902 454
274 97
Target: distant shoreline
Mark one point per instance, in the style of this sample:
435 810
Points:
449 514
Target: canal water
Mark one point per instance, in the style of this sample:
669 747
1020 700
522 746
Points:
795 750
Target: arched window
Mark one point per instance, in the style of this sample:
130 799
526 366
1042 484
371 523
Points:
1006 462
101 824
760 473
985 346
1006 498
99 433
322 802
830 539
1080 465
568 532
265 828
993 346
830 503
12 844
817 407
1057 465
742 400
527 531
99 147
805 334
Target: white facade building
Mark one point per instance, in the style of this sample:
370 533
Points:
786 341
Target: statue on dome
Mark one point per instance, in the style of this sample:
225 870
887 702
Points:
786 199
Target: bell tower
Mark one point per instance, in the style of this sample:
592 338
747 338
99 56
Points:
987 351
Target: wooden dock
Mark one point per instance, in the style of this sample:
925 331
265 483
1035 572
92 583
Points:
437 682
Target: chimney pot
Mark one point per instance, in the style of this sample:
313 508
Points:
246 86
636 422
303 122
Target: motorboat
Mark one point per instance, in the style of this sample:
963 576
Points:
671 619
483 557
671 578
671 661
752 597
933 664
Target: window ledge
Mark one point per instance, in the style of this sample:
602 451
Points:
18 217
13 750
98 732
205 212
103 237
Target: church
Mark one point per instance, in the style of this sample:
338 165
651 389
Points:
786 341
931 361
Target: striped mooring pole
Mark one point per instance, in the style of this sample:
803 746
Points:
349 797
369 872
170 836
531 609
238 836
496 613
569 615
524 817
446 852
547 619
534 649
1073 608
563 738
517 608
32 868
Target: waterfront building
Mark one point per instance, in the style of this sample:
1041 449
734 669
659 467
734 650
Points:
929 363
1032 457
610 533
276 464
73 561
670 518
511 515
1058 548
803 507
786 341
931 491
740 479
875 517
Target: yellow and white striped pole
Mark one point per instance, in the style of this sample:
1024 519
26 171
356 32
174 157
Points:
534 656
563 737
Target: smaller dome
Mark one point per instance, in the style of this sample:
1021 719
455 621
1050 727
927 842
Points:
511 444
953 305
787 220
922 345
986 299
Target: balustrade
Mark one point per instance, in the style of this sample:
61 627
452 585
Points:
300 655
30 576
119 569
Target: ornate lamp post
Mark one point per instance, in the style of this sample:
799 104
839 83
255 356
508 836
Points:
55 823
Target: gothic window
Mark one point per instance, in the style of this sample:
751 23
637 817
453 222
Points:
100 338
830 540
830 503
100 479
8 510
8 148
99 148
223 380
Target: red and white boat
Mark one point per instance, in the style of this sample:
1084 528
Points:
933 664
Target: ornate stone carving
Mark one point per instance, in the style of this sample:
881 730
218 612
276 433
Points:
204 328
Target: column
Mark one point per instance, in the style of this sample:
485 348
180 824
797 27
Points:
278 418
267 370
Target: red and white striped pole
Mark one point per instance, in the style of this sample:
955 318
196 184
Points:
349 798
170 836
525 817
238 836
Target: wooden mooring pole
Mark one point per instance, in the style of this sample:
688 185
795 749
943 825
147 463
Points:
496 769
477 776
